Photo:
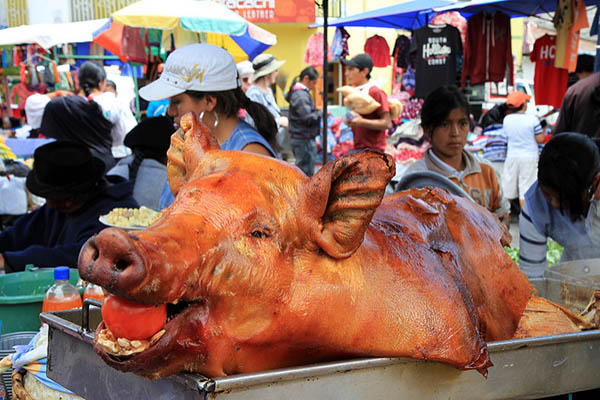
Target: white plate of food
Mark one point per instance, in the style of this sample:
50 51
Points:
129 218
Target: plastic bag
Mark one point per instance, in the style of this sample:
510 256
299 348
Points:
13 197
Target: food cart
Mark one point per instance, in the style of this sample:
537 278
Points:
523 368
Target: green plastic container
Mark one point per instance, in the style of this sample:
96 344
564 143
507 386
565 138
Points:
21 297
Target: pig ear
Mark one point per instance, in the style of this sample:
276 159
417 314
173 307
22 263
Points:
189 144
341 198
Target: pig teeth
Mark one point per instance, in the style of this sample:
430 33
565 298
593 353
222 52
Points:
125 347
157 336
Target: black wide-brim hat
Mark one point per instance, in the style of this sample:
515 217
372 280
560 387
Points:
62 170
152 133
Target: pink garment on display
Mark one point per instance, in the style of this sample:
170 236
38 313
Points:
453 18
314 50
377 47
528 37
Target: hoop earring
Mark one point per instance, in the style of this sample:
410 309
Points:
216 119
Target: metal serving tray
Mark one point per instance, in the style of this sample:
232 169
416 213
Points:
523 368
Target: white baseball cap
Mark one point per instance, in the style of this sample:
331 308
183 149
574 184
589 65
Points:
245 68
34 109
200 67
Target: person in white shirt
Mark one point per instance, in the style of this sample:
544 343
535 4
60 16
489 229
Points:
92 79
524 133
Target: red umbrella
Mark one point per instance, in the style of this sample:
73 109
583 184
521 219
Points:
110 37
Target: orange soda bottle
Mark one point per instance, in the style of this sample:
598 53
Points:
94 291
62 295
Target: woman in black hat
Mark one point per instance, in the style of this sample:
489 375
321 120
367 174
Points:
72 182
146 168
75 119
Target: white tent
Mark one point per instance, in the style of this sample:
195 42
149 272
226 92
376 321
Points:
48 35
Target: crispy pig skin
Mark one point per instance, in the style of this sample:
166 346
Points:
543 317
279 269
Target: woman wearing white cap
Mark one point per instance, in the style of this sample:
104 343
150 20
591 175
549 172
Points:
266 68
245 72
204 79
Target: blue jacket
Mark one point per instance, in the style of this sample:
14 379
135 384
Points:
48 238
304 117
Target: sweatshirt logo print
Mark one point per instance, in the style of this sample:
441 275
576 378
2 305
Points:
436 51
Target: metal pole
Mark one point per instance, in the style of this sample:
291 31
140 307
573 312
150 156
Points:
89 57
138 112
325 69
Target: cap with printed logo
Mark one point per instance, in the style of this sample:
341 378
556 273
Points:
199 67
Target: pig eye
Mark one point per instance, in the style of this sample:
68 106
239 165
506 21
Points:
259 234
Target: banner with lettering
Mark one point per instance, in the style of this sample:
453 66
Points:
273 11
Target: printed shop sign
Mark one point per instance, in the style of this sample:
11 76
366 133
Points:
273 11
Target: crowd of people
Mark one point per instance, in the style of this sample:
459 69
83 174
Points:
102 158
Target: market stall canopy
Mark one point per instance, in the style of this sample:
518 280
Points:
48 35
407 15
513 8
416 13
192 21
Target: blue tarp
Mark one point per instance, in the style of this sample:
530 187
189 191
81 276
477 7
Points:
513 8
25 148
416 13
408 15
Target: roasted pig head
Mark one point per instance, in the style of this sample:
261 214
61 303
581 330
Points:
269 268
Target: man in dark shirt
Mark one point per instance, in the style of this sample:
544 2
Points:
72 182
580 109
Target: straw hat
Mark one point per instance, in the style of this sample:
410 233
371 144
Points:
264 64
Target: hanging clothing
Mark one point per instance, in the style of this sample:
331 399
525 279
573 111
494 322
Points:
543 54
20 92
488 51
339 44
569 18
401 51
436 49
314 50
376 46
528 37
455 19
97 51
409 81
134 44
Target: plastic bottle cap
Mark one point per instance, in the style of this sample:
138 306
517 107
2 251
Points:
61 273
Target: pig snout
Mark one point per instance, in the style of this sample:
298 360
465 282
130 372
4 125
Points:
113 260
